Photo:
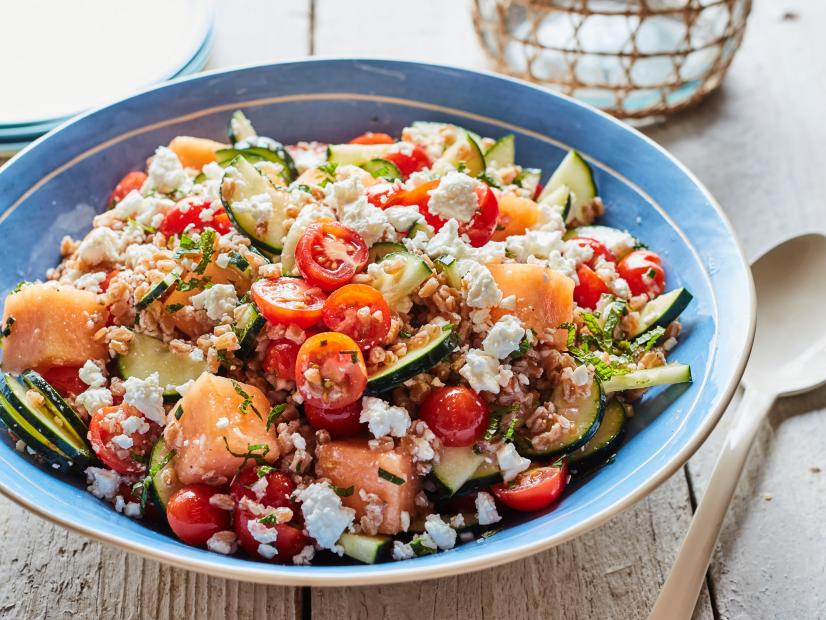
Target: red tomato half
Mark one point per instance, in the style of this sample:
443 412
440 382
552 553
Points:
359 311
288 300
329 254
106 437
409 159
340 423
643 271
289 540
599 249
373 138
192 518
533 489
276 493
590 287
330 370
187 211
455 414
132 180
64 379
280 358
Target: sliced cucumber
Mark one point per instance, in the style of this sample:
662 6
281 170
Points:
420 226
379 250
398 285
414 362
247 330
660 311
160 289
242 182
584 415
560 197
455 467
164 480
56 404
464 151
607 436
367 549
240 127
148 355
502 153
449 265
357 154
529 179
574 172
383 168
265 149
486 474
620 242
54 429
649 377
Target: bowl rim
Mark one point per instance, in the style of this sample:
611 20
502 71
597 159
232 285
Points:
318 576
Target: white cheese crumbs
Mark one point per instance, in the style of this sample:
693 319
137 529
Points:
577 253
262 533
123 441
258 207
259 487
267 551
504 337
100 246
166 174
486 509
324 516
90 281
384 419
454 197
402 551
91 375
222 422
580 376
508 303
133 510
403 218
133 255
482 291
222 260
196 355
299 442
536 243
305 556
442 534
224 542
366 219
482 371
446 241
146 396
510 462
94 398
404 517
134 424
185 387
102 483
217 300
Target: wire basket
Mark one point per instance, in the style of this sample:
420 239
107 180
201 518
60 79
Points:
633 58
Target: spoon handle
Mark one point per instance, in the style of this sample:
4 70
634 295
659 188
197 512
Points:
679 594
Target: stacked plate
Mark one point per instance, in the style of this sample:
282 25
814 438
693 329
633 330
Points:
89 52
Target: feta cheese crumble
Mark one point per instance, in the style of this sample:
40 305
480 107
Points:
94 398
146 396
258 207
166 174
442 534
510 462
324 516
403 218
217 300
91 375
384 419
102 483
504 337
483 372
486 509
482 291
454 197
100 246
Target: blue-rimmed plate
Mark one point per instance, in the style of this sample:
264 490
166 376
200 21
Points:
55 186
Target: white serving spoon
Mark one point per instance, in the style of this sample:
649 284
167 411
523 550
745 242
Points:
789 357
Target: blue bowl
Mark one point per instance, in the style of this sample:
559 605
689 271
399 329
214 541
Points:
55 186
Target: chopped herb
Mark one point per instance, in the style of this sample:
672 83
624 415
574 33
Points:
329 171
524 347
354 356
488 180
419 548
582 353
508 436
245 406
461 167
342 492
651 273
206 243
645 341
269 519
147 229
263 470
274 414
495 420
142 486
404 334
193 283
490 533
499 227
186 245
305 188
447 327
174 307
383 473
18 287
250 454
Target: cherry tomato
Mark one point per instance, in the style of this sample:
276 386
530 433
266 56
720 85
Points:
64 379
330 370
373 138
288 301
340 423
104 285
455 414
381 195
275 494
409 159
329 254
280 358
289 540
590 287
192 518
533 489
599 249
361 312
108 439
132 180
187 211
643 271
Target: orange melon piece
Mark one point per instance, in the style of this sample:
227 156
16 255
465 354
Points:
195 152
350 462
198 436
53 326
544 297
516 215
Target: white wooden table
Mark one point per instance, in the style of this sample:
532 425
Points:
758 144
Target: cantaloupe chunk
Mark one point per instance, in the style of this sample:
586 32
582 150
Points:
351 462
544 297
516 215
195 152
53 326
198 435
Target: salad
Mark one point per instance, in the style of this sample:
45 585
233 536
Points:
375 350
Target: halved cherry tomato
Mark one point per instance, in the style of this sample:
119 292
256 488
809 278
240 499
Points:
409 159
288 301
289 540
275 494
361 312
533 489
104 285
188 211
192 518
590 287
455 414
118 450
132 180
330 370
599 249
65 379
280 358
373 138
329 254
340 423
643 271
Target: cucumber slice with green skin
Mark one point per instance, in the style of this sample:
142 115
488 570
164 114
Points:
241 183
450 267
398 285
160 289
56 404
669 374
383 168
585 415
414 362
607 436
464 151
52 428
529 179
148 355
240 127
662 310
366 549
455 467
487 474
420 226
164 481
620 242
271 151
379 250
357 154
247 330
502 153
574 172
561 198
